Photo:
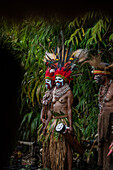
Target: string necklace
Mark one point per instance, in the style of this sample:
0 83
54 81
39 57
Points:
57 93
101 103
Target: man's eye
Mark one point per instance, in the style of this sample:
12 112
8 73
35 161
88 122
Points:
47 81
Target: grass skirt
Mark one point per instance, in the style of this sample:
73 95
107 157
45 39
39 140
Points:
54 146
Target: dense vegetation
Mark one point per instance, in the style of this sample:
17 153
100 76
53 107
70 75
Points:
93 31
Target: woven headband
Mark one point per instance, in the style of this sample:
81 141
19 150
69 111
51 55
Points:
47 77
59 75
99 72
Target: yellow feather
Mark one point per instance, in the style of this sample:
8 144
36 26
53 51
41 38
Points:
66 55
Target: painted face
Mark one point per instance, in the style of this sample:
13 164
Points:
99 79
48 83
59 82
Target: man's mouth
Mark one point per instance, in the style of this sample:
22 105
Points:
47 85
58 84
98 80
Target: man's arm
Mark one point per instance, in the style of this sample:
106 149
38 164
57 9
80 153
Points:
110 92
47 121
70 102
43 116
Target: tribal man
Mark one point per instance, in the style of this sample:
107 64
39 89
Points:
62 105
102 75
58 106
60 147
46 114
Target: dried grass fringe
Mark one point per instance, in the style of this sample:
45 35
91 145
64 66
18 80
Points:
58 153
45 156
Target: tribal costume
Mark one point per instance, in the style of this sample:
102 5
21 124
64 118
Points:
46 107
62 98
58 148
103 71
58 143
46 102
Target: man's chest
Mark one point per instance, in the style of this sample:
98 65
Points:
106 94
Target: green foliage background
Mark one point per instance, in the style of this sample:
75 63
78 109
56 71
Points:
93 31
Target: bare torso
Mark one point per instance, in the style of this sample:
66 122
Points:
108 101
61 104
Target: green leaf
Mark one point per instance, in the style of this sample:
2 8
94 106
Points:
75 33
34 125
76 20
99 36
111 37
83 33
80 36
27 116
76 40
103 42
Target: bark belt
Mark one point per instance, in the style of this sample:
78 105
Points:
60 117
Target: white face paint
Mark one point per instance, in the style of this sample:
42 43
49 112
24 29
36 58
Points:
59 81
48 84
100 79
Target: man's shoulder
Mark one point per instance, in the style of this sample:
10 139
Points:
112 84
70 92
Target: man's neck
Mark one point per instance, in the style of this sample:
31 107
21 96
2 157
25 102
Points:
59 87
106 81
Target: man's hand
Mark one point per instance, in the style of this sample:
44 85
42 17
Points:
44 130
43 121
110 149
71 130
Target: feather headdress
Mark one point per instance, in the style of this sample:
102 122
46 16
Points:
63 74
49 74
99 67
63 60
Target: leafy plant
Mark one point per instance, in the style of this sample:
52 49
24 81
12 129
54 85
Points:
93 31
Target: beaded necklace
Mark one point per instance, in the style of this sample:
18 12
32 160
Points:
101 103
57 93
47 97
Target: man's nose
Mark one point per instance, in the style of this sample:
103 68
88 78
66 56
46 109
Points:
94 77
